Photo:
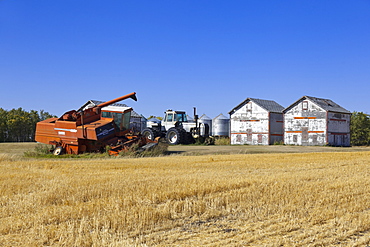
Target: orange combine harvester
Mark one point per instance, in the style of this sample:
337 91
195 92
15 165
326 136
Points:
92 130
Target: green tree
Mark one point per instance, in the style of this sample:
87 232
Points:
360 129
44 115
18 125
160 118
3 128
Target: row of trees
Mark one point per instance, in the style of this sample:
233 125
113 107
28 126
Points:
18 125
360 129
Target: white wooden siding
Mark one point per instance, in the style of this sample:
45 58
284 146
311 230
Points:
339 129
305 125
251 124
310 125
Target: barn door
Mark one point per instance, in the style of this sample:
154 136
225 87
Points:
249 136
305 126
260 139
304 135
339 140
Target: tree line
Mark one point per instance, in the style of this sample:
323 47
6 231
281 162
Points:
18 125
360 129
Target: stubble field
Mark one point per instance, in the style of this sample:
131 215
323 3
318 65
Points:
270 199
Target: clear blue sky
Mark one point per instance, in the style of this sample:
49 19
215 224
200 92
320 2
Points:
55 55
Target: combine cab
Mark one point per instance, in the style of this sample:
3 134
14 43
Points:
92 130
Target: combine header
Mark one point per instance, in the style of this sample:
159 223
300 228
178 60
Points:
92 130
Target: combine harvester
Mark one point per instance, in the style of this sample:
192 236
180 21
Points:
92 130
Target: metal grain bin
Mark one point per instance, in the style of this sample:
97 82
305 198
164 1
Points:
220 126
206 120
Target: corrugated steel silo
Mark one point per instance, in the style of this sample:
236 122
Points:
220 126
206 120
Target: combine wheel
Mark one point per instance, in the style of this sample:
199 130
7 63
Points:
148 133
58 150
173 136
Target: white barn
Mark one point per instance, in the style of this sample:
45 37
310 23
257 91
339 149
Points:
315 121
256 122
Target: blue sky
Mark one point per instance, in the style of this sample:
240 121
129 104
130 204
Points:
56 55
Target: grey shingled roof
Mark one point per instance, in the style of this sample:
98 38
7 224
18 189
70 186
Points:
97 102
268 105
325 104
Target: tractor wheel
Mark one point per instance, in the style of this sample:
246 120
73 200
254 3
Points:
189 139
58 150
148 133
173 136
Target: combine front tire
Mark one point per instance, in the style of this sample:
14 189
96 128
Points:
173 136
58 150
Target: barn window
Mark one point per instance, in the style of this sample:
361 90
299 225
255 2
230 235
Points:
295 138
304 105
238 138
249 106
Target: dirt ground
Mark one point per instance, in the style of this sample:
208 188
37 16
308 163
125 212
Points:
16 148
248 149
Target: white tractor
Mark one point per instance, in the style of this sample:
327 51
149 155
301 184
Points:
176 128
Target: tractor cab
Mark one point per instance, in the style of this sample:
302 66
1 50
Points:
174 119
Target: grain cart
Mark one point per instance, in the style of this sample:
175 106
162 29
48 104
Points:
91 130
176 129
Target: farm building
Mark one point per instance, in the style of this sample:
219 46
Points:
256 122
137 122
316 121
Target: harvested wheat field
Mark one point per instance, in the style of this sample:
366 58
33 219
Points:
310 199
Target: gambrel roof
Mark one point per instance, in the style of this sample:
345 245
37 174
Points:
268 105
325 104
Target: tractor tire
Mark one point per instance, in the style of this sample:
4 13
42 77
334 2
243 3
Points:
174 136
188 138
149 133
58 150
